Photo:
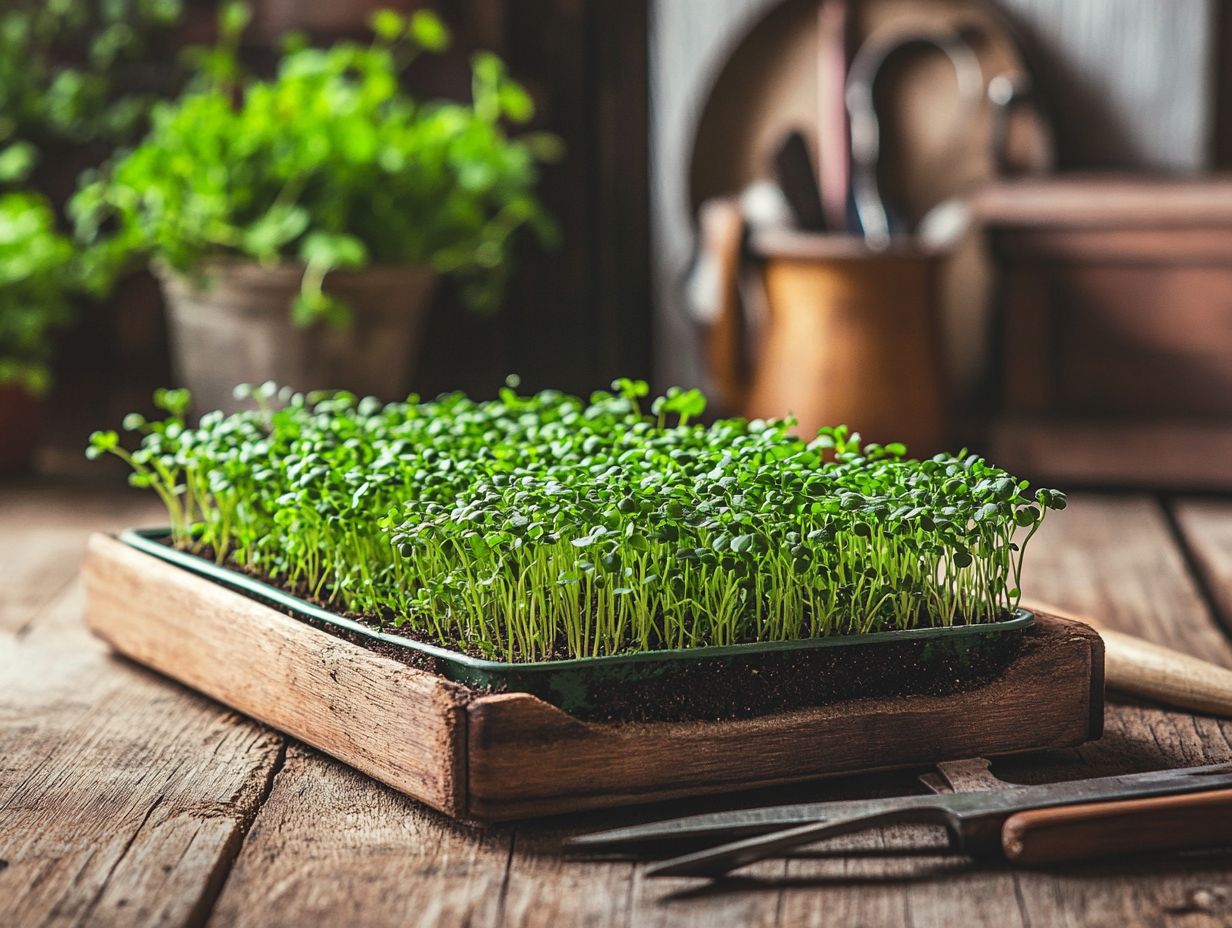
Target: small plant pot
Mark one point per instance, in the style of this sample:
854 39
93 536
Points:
231 324
21 421
730 681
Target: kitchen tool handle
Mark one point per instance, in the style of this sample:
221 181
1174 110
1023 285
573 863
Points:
721 237
1132 665
1144 669
1042 837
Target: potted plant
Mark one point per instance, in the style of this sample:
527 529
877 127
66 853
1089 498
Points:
77 78
39 276
71 86
564 603
298 224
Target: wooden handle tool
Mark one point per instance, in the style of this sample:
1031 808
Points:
1042 837
1138 667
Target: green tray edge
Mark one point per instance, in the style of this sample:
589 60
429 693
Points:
147 541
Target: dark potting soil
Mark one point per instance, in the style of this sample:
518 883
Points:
722 688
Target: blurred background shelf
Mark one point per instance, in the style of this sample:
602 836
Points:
1175 454
1114 356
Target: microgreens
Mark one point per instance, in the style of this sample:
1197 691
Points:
531 527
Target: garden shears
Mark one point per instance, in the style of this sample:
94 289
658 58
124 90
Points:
983 817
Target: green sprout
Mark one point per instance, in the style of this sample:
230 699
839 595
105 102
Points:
544 526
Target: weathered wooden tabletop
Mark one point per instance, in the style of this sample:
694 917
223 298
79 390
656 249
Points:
126 799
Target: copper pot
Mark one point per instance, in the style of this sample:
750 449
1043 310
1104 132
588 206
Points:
850 336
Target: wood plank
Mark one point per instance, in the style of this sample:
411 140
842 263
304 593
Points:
526 758
1206 526
333 847
403 726
43 531
1115 558
122 798
1129 84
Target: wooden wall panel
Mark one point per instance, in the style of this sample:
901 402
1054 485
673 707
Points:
1130 82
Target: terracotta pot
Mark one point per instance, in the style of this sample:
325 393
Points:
850 336
233 325
21 422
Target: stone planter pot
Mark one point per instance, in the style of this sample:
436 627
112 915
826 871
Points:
21 421
232 324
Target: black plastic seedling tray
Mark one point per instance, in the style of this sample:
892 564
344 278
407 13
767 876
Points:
876 664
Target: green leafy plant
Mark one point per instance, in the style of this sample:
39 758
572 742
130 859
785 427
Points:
533 527
70 72
39 274
329 164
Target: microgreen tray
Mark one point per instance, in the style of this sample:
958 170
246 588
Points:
924 658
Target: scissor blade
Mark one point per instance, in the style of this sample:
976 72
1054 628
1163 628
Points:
971 818
749 822
715 862
737 823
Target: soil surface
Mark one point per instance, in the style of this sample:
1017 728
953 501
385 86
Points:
759 685
737 687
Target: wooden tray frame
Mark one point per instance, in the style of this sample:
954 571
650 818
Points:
513 756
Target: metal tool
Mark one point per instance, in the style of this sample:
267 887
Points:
875 219
793 171
950 777
973 820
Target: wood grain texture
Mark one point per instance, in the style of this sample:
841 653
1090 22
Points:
122 800
526 758
1115 559
1047 837
42 534
403 726
1205 526
332 847
1152 671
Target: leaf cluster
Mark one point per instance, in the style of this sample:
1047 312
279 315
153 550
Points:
39 274
330 164
529 527
70 73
